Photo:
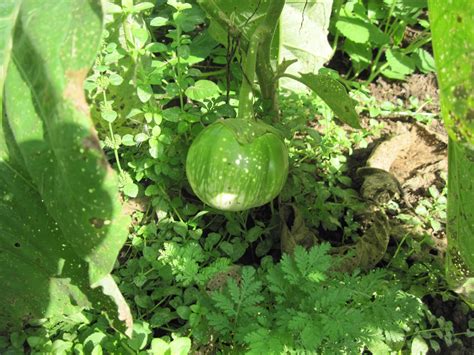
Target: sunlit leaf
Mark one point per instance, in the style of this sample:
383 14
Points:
334 95
60 215
202 89
453 44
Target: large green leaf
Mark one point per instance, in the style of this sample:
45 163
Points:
302 31
453 43
303 36
60 216
460 229
334 95
8 13
452 25
360 31
240 18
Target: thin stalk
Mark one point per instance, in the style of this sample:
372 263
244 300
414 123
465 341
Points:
374 71
212 9
337 4
213 73
178 67
389 17
398 249
112 139
128 36
420 42
174 209
126 347
334 44
291 76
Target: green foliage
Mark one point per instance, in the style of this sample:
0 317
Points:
86 333
142 126
376 37
414 108
319 183
199 280
8 18
300 305
454 55
253 27
61 221
242 23
334 94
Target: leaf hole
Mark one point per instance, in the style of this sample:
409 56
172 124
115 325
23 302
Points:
97 222
17 245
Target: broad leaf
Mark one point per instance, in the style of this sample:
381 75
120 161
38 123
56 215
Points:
452 25
302 35
419 346
360 54
399 63
202 89
360 31
60 215
334 95
460 230
453 44
424 60
240 18
8 13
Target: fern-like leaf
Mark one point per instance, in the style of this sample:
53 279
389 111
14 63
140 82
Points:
224 304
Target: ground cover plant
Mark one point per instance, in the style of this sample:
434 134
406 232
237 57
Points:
186 177
388 38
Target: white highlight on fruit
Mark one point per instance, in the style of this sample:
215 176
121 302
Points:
223 200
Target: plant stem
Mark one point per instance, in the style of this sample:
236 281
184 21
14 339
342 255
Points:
112 139
213 73
389 17
398 249
178 67
373 69
259 48
291 76
376 73
268 82
337 4
334 44
249 65
212 9
266 76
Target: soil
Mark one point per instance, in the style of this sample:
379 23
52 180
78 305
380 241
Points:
419 159
423 87
419 164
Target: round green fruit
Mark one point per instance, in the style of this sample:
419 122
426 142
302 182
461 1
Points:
236 164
